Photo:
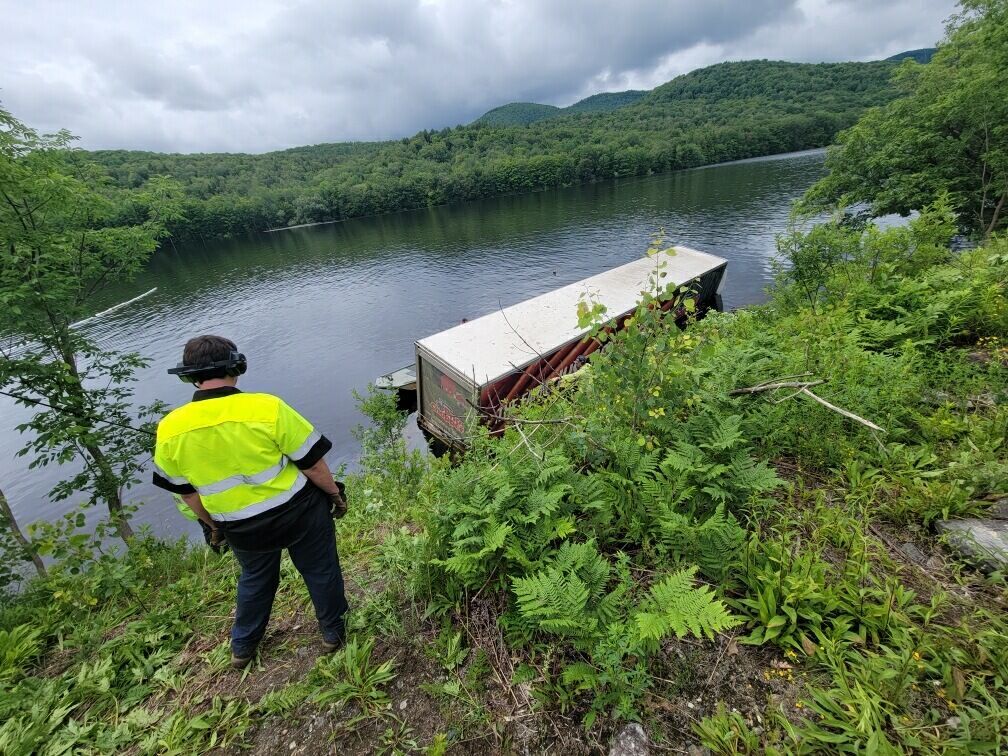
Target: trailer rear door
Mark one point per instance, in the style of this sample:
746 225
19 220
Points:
446 398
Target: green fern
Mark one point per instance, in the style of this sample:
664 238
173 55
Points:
541 504
722 435
715 545
676 605
465 560
567 598
554 467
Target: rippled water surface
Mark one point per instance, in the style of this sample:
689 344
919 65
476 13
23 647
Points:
321 311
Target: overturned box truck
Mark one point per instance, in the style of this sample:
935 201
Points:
474 368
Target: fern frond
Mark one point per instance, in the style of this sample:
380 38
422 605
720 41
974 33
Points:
555 466
541 504
726 433
676 605
581 675
555 602
561 598
646 465
714 545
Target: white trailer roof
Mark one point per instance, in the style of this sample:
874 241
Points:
494 345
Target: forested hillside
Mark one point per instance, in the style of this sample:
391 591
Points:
945 136
724 112
517 114
524 113
923 55
606 101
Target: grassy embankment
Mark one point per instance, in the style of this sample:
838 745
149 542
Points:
641 544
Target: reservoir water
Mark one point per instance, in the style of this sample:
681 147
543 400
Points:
322 311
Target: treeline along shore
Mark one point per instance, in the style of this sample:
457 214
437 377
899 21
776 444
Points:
724 112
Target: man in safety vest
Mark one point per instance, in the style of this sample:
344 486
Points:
253 471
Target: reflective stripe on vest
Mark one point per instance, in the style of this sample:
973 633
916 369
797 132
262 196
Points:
236 480
237 451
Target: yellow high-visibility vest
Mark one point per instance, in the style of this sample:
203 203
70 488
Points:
239 451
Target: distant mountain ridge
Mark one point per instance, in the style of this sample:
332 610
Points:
923 55
517 114
525 113
606 101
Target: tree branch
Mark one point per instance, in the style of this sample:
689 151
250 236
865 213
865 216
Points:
803 389
17 212
997 213
846 413
802 385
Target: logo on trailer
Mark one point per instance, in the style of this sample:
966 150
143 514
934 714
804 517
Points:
449 387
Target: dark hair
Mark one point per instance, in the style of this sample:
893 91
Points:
206 350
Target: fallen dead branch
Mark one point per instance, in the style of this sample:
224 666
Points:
846 413
802 388
778 385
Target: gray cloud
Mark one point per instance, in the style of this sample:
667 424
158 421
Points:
239 76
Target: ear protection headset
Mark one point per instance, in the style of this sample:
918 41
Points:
233 366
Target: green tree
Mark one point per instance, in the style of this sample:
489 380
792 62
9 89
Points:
946 133
65 236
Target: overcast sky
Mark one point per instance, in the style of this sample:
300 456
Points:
241 75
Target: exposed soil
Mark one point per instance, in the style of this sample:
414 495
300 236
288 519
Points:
693 677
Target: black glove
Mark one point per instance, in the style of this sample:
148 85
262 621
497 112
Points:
214 538
337 501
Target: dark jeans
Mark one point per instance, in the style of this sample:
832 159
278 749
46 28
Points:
314 555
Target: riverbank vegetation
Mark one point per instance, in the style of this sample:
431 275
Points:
723 112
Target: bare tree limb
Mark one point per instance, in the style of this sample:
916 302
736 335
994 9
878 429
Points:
997 212
846 413
525 441
514 330
802 388
800 385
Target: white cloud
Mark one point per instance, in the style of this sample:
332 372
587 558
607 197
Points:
240 76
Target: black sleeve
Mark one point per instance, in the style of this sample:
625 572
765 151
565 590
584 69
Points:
162 482
319 449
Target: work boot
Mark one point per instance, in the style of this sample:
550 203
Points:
240 662
331 647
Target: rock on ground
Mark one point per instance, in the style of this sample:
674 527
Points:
913 553
984 542
631 741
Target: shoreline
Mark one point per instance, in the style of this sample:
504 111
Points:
740 161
